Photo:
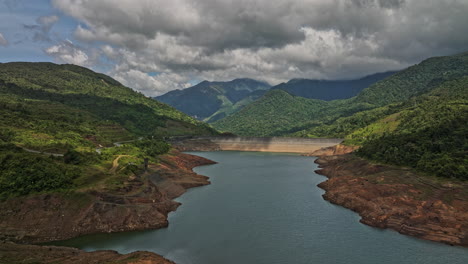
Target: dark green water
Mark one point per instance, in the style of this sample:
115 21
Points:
265 208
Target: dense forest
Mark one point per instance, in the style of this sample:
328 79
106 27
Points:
429 134
54 118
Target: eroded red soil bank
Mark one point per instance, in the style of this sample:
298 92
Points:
391 197
142 202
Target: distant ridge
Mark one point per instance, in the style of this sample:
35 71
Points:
279 114
210 101
328 90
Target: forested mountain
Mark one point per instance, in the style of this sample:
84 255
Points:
328 90
417 118
273 114
211 101
78 89
336 117
68 111
429 133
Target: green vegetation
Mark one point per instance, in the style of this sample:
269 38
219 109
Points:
24 173
153 147
210 101
341 117
329 90
72 111
431 136
280 110
416 80
415 118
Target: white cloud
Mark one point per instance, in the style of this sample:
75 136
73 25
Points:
151 85
3 41
67 52
262 39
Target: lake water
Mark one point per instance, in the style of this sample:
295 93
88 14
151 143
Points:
265 208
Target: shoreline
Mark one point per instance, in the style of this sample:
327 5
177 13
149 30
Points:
384 197
396 198
143 204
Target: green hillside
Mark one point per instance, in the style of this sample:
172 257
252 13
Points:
279 113
340 117
273 114
210 101
415 80
69 111
430 133
416 118
329 90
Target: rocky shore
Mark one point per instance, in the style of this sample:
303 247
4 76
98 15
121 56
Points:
384 196
142 203
14 253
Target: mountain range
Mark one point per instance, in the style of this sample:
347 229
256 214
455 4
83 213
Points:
212 101
416 117
329 90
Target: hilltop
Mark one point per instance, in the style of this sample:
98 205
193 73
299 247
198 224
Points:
329 90
210 101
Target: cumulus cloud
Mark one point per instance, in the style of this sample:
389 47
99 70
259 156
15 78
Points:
3 41
151 85
42 28
67 52
269 40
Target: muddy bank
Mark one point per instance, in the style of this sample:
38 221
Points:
273 144
14 253
391 197
143 202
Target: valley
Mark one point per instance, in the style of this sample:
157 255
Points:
406 172
257 132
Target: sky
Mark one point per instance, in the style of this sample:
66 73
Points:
155 46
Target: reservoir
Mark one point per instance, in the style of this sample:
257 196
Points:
265 208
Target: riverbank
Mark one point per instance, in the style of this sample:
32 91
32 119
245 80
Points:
384 196
143 202
14 253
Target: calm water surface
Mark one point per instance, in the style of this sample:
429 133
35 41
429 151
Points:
266 208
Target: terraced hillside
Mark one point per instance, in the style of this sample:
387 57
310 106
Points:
70 111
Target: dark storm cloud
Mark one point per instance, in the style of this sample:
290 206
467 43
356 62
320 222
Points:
271 40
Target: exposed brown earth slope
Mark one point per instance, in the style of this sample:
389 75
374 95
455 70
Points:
142 202
10 252
391 197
